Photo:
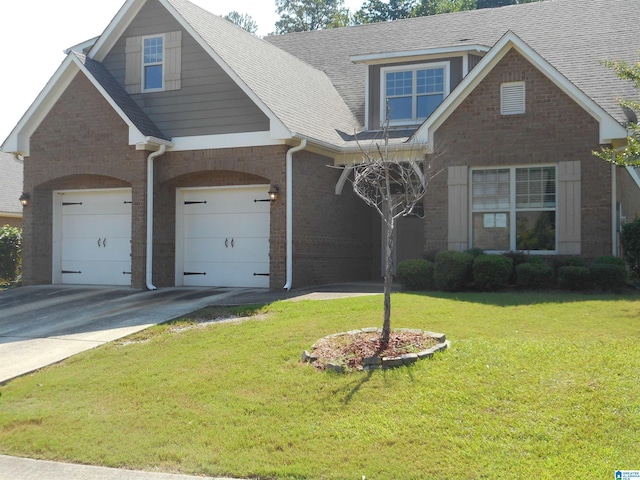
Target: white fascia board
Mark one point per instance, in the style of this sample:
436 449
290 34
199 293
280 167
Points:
18 139
229 140
609 127
374 58
80 47
635 175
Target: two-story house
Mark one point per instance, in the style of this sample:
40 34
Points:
177 149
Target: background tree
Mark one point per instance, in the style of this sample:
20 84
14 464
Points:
244 21
501 3
392 183
435 7
628 155
374 11
308 15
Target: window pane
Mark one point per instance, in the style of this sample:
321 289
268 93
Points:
536 187
399 108
427 104
430 81
152 77
153 50
491 231
490 189
536 230
399 83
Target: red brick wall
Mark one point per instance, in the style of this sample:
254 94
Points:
553 129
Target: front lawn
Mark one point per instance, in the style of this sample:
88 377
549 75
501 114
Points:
540 386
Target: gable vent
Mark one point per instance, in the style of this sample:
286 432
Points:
512 98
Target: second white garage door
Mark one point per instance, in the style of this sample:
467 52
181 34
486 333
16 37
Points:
222 236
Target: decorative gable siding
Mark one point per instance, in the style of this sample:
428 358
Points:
554 130
206 100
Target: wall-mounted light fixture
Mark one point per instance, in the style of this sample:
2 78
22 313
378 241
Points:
25 199
273 193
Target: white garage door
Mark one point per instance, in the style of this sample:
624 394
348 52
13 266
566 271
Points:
94 235
222 236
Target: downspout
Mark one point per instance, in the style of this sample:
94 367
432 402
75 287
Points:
149 262
289 196
614 211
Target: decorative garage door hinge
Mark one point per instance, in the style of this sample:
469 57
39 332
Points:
70 271
126 273
193 203
64 204
194 273
261 275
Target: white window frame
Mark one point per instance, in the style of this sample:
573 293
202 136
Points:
162 63
513 210
414 120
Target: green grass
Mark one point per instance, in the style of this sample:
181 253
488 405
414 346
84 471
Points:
540 386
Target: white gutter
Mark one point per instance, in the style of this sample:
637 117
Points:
289 199
149 262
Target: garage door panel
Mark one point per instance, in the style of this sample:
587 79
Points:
95 234
95 273
225 241
227 275
226 250
108 225
98 203
227 225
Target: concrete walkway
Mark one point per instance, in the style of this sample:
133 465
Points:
42 325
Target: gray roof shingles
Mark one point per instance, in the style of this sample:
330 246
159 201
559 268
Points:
574 36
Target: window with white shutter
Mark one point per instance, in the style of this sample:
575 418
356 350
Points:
153 63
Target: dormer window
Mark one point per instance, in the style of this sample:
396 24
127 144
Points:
153 60
413 92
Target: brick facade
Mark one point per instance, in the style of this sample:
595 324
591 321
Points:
553 129
82 144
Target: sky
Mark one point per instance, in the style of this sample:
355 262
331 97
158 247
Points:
34 34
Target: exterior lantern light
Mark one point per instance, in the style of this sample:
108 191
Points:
25 199
273 193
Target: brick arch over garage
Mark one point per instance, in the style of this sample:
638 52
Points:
215 168
38 250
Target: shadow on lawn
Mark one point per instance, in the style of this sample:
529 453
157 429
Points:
516 298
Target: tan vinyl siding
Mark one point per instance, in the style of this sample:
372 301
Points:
458 193
208 101
569 208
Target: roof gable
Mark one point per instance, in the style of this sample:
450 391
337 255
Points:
609 128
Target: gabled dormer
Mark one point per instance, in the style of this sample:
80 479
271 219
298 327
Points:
410 85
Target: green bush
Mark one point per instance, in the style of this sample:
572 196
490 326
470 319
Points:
491 271
415 274
453 271
574 278
535 274
609 260
475 252
10 254
609 277
630 240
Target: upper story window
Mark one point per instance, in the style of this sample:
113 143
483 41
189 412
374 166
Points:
152 64
412 93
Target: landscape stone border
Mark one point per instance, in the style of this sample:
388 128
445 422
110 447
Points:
376 362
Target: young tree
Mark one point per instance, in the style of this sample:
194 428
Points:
628 155
392 183
244 21
308 15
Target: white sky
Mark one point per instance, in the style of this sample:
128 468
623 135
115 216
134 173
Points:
34 33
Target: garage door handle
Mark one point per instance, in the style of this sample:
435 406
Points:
99 240
104 242
226 243
232 242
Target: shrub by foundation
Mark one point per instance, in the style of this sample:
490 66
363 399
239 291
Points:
574 278
453 271
630 240
609 273
535 274
416 274
491 271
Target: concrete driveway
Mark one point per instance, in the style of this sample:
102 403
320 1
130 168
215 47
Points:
41 325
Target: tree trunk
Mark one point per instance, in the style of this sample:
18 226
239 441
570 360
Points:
388 280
